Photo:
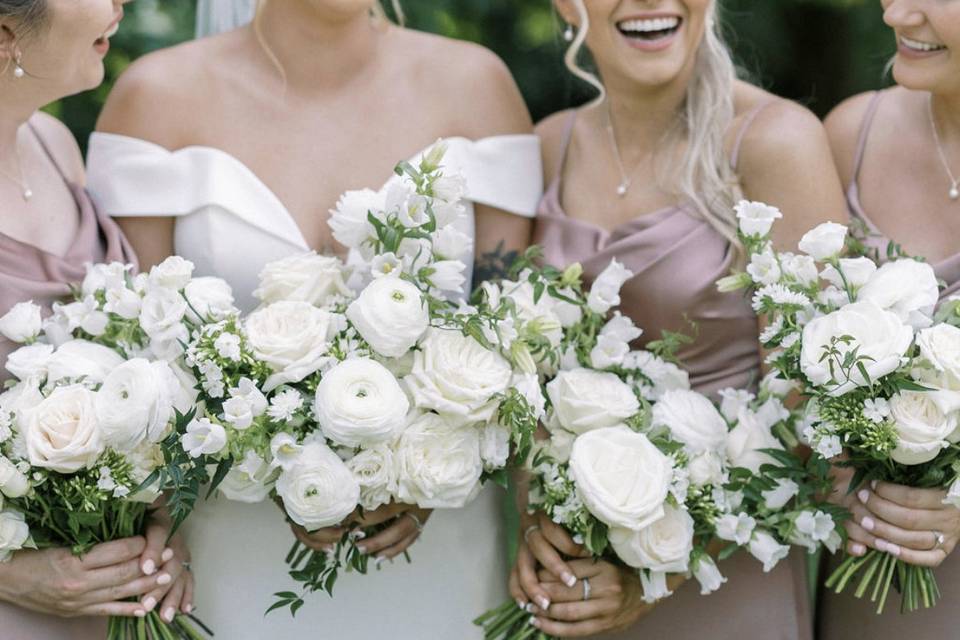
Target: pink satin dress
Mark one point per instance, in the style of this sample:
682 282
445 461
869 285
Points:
677 257
30 273
844 617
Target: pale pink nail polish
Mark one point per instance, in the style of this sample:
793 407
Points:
864 495
881 545
858 549
867 523
149 567
543 603
188 608
873 484
164 578
150 603
568 579
167 555
893 549
168 614
534 621
140 613
529 607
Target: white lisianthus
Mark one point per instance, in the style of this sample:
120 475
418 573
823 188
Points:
14 533
173 273
359 403
209 298
613 342
824 241
30 361
780 495
745 441
540 313
585 400
733 401
664 545
391 315
161 314
707 573
307 277
456 376
123 302
922 428
438 464
853 272
291 337
350 223
654 585
706 468
765 548
135 403
376 472
691 419
450 243
285 450
764 268
445 275
61 432
203 437
906 287
22 323
736 528
622 478
13 483
494 445
249 481
318 490
756 218
880 336
450 188
801 269
605 290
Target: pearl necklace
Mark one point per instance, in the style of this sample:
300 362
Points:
21 182
954 192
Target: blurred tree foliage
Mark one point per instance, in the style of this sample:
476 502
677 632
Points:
814 51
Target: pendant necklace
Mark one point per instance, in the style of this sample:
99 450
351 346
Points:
954 192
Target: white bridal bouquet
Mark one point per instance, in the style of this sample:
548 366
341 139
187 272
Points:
351 388
93 410
880 376
648 474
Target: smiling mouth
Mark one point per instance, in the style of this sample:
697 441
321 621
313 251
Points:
920 46
649 29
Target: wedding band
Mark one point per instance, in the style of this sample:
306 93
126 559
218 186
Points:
940 540
586 588
528 531
186 565
415 519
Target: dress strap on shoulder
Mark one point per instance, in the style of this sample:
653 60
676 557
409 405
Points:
748 121
864 135
565 143
46 150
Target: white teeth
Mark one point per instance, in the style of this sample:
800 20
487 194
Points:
649 25
917 45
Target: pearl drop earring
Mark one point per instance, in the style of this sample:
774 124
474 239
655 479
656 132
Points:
568 34
18 71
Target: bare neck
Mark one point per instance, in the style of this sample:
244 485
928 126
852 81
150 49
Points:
946 115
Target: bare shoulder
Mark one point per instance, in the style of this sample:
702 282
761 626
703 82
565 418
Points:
551 131
844 126
62 145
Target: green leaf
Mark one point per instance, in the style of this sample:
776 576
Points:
222 469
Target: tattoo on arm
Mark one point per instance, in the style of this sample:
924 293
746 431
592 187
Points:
493 265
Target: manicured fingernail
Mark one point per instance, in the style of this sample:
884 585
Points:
867 523
568 579
149 567
140 613
529 607
893 549
864 495
168 614
857 549
534 621
520 603
149 603
543 603
873 484
187 608
881 545
164 578
167 554
379 560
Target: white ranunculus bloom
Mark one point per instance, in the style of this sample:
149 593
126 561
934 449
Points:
350 223
307 277
756 218
906 287
879 335
439 465
922 429
135 403
375 470
856 271
22 323
824 241
173 273
691 419
585 400
291 337
765 548
707 573
456 376
61 432
203 437
736 528
211 298
764 268
13 483
391 315
14 533
318 490
30 361
359 403
664 545
780 495
622 478
747 438
605 290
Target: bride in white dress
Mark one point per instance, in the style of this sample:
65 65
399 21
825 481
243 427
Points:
229 151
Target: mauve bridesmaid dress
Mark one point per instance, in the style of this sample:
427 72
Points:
677 257
29 273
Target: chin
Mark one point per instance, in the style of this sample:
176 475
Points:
909 75
656 74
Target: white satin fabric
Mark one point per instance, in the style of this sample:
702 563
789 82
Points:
230 224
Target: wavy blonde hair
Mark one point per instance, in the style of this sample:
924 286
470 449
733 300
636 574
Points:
704 175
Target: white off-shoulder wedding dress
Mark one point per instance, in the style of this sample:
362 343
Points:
230 224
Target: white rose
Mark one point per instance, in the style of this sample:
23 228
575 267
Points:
318 490
747 438
736 528
359 403
81 359
801 269
13 484
211 298
203 437
135 403
622 478
61 432
767 550
756 218
707 573
30 361
605 290
764 268
349 220
907 288
249 481
706 468
856 271
173 273
291 337
376 472
391 315
439 465
14 533
161 314
22 323
922 429
584 400
879 335
664 545
307 277
691 419
824 241
940 348
456 376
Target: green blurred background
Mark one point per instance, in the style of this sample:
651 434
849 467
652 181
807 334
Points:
815 51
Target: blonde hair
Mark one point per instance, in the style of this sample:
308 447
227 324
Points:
704 175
